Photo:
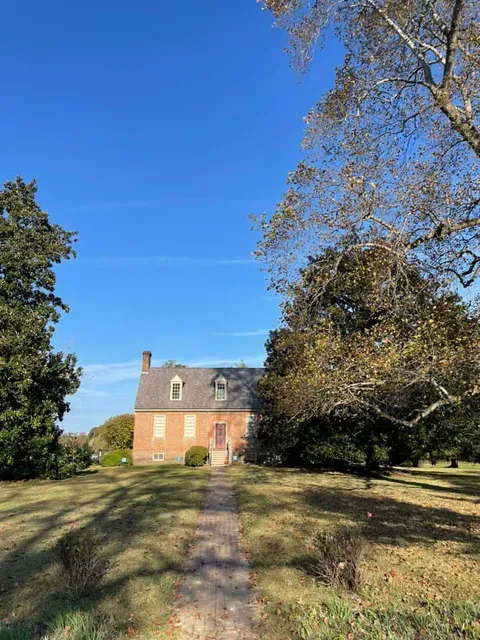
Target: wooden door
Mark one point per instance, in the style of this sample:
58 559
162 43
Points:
220 435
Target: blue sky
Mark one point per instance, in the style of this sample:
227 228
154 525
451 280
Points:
154 129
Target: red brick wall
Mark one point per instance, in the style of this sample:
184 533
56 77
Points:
174 444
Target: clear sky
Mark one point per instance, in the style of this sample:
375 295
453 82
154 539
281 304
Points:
154 129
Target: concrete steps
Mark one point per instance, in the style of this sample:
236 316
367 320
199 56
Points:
218 458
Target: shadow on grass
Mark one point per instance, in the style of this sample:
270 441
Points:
393 521
132 510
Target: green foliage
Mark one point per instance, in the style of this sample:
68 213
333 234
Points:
196 456
97 440
82 563
119 431
35 381
115 433
337 555
171 364
114 458
83 626
353 375
73 457
338 620
7 633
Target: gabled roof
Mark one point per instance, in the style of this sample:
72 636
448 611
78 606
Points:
198 390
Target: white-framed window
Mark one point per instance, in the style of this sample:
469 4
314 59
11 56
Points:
251 426
190 426
221 389
176 385
159 426
158 457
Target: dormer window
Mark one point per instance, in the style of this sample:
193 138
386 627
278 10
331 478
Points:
220 388
176 385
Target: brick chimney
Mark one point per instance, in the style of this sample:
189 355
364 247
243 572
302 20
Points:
146 359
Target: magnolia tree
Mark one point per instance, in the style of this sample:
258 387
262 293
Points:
35 380
387 199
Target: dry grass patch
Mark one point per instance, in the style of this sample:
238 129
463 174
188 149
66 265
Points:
145 518
420 528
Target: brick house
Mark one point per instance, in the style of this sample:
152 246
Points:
179 407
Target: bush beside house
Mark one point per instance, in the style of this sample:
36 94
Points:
114 458
196 456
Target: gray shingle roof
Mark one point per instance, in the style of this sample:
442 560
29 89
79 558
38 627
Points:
198 388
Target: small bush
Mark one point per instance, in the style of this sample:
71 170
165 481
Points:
78 625
82 563
114 458
196 456
337 557
73 457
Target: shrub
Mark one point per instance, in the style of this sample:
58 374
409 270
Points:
78 625
72 458
337 557
196 456
82 563
114 458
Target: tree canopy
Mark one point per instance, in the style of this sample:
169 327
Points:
392 150
379 229
35 381
114 433
170 364
345 357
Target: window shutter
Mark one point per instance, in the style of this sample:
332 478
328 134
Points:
159 426
190 426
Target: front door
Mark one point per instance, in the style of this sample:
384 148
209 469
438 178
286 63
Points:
220 435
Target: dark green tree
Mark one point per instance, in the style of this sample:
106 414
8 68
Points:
35 381
354 372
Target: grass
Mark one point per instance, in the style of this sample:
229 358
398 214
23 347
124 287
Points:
421 564
145 516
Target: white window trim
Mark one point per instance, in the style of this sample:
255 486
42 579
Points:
179 381
217 382
159 415
189 437
162 459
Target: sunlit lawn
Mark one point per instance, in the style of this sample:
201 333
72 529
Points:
146 515
422 539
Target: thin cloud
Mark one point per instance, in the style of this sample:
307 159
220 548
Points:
243 334
99 375
163 261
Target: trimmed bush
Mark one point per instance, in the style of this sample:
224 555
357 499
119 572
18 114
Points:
196 456
337 557
82 563
114 458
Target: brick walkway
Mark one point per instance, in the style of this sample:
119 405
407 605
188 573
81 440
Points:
216 600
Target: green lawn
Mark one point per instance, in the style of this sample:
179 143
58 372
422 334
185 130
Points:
147 517
422 554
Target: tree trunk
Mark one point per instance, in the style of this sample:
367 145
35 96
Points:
453 462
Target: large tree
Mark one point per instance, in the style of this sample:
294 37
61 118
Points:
390 184
114 433
349 370
392 150
34 379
